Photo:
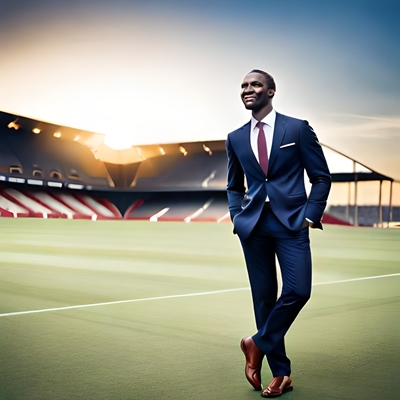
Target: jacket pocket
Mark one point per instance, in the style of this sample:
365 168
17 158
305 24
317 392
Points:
287 145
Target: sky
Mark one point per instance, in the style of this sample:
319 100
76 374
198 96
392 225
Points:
161 71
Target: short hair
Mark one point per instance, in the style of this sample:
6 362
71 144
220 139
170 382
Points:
269 79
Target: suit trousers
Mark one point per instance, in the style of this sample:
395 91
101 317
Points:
270 240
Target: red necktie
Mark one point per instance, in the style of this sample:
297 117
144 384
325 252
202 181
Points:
262 148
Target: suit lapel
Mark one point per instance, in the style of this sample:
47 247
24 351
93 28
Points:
279 133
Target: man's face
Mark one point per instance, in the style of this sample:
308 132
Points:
254 92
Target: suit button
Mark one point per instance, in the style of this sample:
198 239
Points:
266 180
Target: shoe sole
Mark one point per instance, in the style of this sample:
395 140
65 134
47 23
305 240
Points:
284 390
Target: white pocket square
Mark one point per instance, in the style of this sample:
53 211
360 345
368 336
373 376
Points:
287 145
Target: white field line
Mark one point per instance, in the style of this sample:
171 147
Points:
356 279
179 295
174 296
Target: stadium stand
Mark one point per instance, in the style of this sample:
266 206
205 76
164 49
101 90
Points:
34 208
10 209
48 201
181 206
194 171
101 207
52 171
15 203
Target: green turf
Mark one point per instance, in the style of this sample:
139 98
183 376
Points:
344 345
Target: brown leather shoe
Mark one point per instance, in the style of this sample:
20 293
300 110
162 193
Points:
254 358
274 388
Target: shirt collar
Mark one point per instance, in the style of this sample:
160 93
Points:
268 119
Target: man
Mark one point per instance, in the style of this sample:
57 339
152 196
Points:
272 218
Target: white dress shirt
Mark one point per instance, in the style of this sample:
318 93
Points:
269 126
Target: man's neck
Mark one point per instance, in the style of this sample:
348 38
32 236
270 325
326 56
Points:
263 112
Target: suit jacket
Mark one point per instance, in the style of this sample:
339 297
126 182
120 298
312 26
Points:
295 149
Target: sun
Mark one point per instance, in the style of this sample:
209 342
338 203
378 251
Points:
117 141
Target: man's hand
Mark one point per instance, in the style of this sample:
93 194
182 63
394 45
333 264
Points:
308 223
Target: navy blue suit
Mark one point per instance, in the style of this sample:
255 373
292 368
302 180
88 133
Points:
278 228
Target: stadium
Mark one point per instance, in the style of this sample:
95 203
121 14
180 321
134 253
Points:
120 276
53 171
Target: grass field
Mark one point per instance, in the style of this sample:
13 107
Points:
188 305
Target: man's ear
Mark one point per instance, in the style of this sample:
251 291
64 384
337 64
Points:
271 93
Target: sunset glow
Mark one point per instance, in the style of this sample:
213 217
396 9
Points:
159 72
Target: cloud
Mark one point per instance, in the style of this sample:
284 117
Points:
361 126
